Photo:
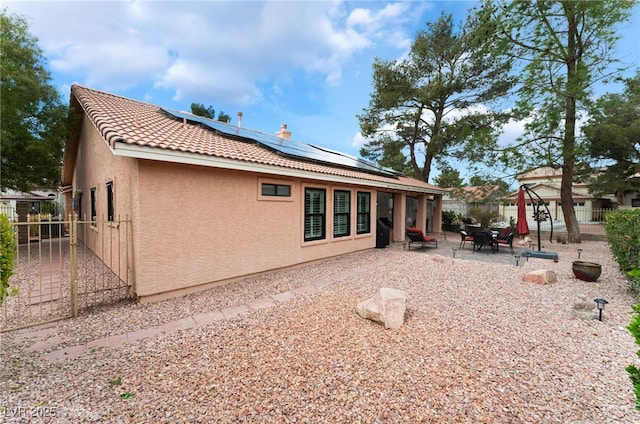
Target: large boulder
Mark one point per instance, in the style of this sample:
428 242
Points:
540 276
387 307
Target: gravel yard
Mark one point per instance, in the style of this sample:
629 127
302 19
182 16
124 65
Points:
478 345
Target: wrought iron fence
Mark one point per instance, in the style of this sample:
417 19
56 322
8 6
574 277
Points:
62 267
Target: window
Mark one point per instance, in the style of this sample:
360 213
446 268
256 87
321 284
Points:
93 205
635 202
364 213
110 208
314 214
341 213
280 190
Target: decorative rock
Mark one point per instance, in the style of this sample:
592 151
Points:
583 303
583 308
387 307
540 276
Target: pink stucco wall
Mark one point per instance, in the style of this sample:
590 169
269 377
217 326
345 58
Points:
95 167
203 225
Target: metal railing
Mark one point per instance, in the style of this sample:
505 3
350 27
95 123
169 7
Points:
62 267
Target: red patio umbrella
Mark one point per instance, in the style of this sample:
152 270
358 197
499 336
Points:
521 225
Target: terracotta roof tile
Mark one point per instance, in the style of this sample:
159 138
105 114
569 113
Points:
123 120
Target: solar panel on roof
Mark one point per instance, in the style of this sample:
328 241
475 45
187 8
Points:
288 147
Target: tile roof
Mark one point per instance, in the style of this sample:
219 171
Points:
130 122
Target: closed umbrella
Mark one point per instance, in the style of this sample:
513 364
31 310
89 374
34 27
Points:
521 225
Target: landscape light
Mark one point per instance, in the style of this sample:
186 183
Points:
600 303
454 249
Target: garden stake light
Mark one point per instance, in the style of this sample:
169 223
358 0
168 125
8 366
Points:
600 303
579 252
454 251
517 258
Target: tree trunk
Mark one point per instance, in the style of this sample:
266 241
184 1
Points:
568 147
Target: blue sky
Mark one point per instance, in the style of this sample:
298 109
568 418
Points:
303 63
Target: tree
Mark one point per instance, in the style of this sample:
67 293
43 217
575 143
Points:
34 121
433 105
613 135
200 110
208 112
565 47
389 154
448 178
480 180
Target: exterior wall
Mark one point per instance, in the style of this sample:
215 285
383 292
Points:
200 226
96 166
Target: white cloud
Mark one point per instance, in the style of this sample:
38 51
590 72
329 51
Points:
222 48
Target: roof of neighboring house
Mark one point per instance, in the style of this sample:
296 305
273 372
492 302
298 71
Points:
542 172
473 193
21 195
543 189
141 130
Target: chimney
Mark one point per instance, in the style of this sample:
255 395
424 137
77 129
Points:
284 133
239 119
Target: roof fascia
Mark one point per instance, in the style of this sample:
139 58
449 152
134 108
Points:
166 155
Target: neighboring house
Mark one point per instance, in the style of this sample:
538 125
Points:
462 200
17 204
211 202
546 182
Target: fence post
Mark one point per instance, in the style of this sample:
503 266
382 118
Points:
73 253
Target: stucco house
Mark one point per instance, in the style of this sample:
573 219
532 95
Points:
545 182
211 202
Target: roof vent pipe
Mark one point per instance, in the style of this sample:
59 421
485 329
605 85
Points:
284 133
239 119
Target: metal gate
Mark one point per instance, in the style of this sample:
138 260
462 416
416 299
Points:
64 267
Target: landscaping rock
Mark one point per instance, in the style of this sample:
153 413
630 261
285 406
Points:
540 276
387 307
583 308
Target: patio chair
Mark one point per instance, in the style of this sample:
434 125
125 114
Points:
464 238
508 240
482 239
417 236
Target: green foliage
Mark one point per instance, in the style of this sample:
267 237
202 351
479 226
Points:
612 134
127 395
448 218
35 122
7 254
634 372
424 105
208 112
448 178
623 234
200 110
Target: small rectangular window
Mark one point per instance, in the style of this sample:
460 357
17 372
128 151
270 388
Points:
341 213
110 206
363 224
314 214
279 190
93 205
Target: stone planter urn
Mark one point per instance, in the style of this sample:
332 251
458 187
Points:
586 271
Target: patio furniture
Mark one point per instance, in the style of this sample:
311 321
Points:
508 240
417 236
464 237
482 239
